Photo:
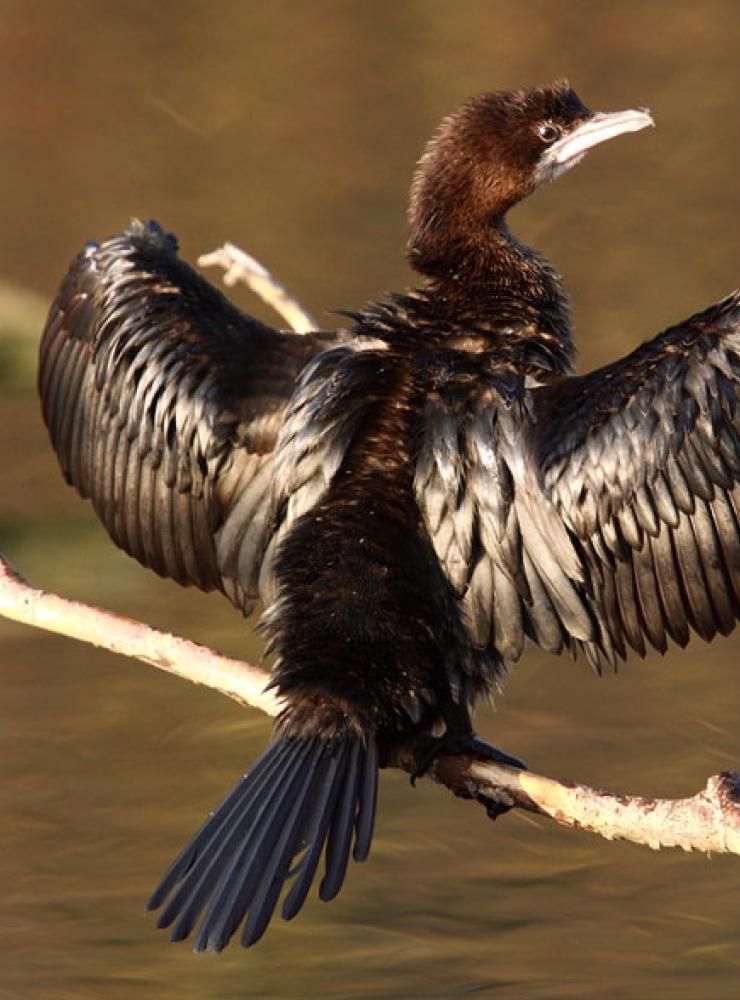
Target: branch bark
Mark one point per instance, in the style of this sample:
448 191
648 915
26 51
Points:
21 602
708 821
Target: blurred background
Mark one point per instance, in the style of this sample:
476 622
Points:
292 129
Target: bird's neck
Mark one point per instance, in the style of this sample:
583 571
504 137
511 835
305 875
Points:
499 283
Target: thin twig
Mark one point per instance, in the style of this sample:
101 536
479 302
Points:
240 266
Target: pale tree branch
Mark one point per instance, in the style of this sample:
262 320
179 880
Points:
708 821
21 602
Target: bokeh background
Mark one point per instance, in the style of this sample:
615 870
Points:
292 128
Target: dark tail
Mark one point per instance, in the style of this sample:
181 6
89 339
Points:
300 795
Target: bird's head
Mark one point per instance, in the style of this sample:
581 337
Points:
492 153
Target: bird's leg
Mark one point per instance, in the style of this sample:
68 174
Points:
428 748
480 748
458 738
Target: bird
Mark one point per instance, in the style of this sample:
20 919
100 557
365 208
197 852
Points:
413 498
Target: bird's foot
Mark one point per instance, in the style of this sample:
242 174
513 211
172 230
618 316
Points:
480 748
496 756
428 748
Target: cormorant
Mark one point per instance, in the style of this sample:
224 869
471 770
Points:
411 497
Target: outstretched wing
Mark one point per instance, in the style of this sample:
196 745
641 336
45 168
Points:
163 403
641 459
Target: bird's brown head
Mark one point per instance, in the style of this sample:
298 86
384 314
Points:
492 153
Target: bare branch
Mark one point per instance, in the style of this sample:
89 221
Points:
241 266
21 602
710 821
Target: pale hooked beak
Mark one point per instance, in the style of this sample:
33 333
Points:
571 149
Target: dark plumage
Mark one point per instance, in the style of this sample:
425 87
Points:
411 498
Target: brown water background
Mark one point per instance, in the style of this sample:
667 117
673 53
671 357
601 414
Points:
292 129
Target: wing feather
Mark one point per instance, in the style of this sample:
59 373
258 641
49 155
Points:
164 403
641 460
501 543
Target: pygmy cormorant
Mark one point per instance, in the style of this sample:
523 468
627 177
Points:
411 497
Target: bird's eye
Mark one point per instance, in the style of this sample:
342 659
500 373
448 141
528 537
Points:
548 132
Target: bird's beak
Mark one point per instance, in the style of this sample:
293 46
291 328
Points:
599 127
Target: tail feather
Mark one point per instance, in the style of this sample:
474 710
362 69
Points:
199 869
340 834
241 878
184 861
315 837
274 875
365 821
302 796
243 835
